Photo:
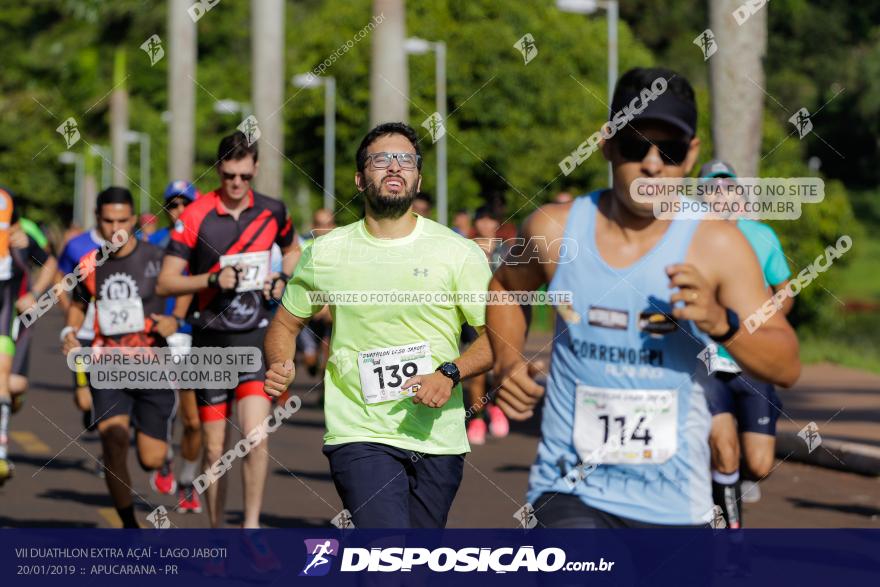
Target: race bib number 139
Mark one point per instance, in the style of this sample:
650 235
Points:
383 371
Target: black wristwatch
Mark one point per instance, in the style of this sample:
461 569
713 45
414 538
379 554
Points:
733 322
450 370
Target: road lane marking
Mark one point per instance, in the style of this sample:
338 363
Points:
110 515
29 442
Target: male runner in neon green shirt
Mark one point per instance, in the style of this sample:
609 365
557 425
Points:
402 286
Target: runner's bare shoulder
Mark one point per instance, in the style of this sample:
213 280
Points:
546 226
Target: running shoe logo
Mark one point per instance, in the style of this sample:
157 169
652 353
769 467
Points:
320 553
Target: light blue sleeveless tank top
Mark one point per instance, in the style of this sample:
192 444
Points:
611 339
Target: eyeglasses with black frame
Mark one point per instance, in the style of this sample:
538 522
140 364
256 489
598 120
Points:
382 160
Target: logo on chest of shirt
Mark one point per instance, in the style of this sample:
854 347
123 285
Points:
119 286
152 270
608 318
656 324
242 311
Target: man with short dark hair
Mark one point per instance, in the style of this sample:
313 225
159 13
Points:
393 404
625 429
128 313
223 240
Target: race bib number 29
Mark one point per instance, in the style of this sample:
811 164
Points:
384 371
625 426
117 317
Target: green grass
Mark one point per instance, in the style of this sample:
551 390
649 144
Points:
860 278
820 350
852 340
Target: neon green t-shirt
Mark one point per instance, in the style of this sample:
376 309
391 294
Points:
433 262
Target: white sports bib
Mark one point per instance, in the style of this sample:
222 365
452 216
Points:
383 371
625 426
255 269
120 316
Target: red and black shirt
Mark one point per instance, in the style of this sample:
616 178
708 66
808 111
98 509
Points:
124 278
205 232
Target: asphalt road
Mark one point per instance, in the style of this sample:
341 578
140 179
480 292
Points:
55 485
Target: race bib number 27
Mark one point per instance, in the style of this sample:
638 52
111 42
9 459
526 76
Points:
255 269
384 371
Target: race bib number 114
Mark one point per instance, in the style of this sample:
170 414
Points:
625 426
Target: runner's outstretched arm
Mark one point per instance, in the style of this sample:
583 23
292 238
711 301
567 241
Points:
708 286
477 358
526 269
76 314
280 346
173 282
291 253
46 275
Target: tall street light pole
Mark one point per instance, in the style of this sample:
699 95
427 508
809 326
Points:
143 139
589 7
182 57
267 91
76 159
308 80
416 46
103 151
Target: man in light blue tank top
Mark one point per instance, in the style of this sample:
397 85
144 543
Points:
625 424
744 409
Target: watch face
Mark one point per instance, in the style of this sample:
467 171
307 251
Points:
450 370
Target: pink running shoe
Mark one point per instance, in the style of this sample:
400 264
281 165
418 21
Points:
476 431
498 424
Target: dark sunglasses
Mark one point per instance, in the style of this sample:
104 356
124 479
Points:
231 176
634 148
176 203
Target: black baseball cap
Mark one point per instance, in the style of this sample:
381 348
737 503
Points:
671 106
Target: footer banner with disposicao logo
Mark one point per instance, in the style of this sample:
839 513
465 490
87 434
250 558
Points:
434 557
